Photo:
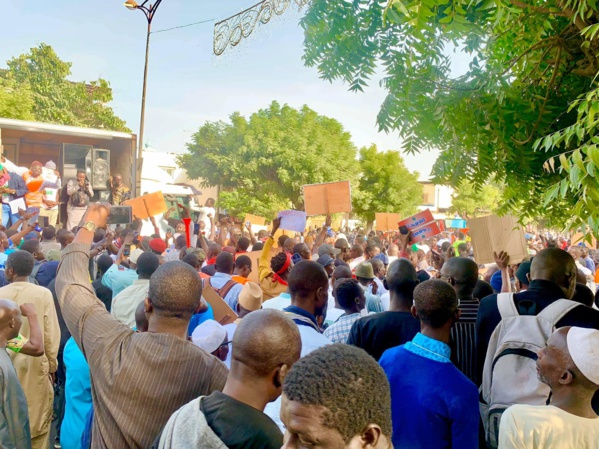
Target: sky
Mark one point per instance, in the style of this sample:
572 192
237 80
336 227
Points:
187 84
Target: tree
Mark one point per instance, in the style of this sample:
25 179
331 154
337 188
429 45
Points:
16 100
262 162
385 185
525 112
43 77
469 201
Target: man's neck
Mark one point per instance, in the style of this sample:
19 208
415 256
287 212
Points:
304 306
441 334
20 279
249 391
574 401
159 325
400 303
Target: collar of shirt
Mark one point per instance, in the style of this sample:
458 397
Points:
141 281
429 348
550 290
218 275
301 312
284 296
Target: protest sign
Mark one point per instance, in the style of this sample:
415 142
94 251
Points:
16 204
147 206
254 220
293 220
581 239
417 220
254 256
422 226
327 198
386 221
223 314
494 234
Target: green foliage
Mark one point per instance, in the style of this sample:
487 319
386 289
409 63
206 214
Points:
41 78
15 100
262 162
529 62
385 185
469 201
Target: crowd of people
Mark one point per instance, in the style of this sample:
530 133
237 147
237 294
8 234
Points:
343 339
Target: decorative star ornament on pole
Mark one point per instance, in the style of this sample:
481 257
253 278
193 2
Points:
230 32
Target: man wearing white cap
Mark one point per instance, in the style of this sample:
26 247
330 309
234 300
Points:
212 338
569 365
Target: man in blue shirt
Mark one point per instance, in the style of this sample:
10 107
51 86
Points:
222 282
433 405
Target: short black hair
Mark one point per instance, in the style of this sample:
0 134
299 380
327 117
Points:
258 246
282 239
175 290
462 247
401 278
358 249
346 292
181 241
482 289
243 243
297 249
435 301
48 233
348 382
147 264
21 262
243 261
306 277
99 235
224 263
192 260
445 246
31 246
277 262
584 295
103 263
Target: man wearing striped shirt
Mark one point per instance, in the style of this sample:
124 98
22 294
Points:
462 274
138 379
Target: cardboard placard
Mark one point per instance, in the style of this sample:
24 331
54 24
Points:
327 198
255 258
494 234
415 221
254 220
147 206
293 220
578 239
386 221
223 314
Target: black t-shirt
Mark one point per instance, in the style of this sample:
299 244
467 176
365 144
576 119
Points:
238 425
381 331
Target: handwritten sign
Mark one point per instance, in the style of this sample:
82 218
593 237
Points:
386 221
147 206
328 198
293 220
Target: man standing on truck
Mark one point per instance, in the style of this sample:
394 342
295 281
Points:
119 191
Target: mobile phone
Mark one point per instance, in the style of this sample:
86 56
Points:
38 228
127 251
43 222
403 230
33 220
120 215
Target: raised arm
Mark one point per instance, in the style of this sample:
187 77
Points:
503 262
35 345
248 225
321 235
264 261
86 317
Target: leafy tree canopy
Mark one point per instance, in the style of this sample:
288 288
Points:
385 185
262 162
39 81
469 201
525 112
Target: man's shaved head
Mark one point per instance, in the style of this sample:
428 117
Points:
393 250
306 277
175 290
264 340
401 278
225 262
557 266
342 272
464 273
10 319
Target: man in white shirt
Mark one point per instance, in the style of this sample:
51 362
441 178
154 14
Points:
357 255
125 303
205 211
569 365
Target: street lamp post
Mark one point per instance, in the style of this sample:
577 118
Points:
149 12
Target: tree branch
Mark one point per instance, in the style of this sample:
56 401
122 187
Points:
539 9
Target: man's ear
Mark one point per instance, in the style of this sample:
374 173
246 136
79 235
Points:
371 437
148 307
566 377
385 284
280 374
414 313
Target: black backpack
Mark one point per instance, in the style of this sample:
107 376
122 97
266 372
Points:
79 199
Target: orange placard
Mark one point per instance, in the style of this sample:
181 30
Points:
327 198
255 258
147 206
222 312
254 220
386 221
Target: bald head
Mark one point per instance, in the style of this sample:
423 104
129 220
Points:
393 251
401 279
10 319
264 340
557 266
342 272
464 273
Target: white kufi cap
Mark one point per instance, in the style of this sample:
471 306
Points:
583 345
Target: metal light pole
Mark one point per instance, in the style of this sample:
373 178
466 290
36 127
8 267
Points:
149 12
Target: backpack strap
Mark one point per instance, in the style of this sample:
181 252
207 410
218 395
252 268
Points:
506 306
224 291
557 310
